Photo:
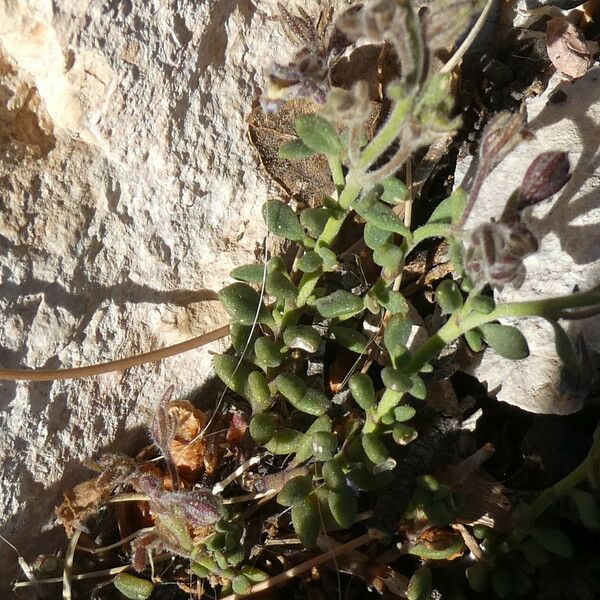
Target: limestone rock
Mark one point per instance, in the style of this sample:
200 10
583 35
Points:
565 117
128 191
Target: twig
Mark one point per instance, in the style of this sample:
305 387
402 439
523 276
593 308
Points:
68 567
449 66
305 566
470 542
104 549
114 365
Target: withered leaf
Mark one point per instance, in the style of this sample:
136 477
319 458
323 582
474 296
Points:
567 48
306 180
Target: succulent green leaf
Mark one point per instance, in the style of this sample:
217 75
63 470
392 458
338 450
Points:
304 337
262 428
418 388
343 507
420 585
374 448
233 373
305 519
349 338
340 304
310 262
314 220
324 445
553 540
375 237
313 403
241 585
243 304
381 216
257 392
285 441
282 221
200 571
295 490
565 350
291 386
506 340
362 390
394 191
242 338
279 286
427 552
294 150
483 304
254 574
396 335
587 507
477 576
450 209
329 258
333 476
395 380
249 273
319 134
268 353
448 296
389 401
133 587
304 449
404 434
404 413
473 338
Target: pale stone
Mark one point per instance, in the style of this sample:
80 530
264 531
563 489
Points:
128 191
568 229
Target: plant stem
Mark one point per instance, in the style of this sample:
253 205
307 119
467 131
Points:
465 319
335 166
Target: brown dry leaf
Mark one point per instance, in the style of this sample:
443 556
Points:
306 180
237 430
567 48
80 503
187 449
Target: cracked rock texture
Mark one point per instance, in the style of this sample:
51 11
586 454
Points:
565 117
128 191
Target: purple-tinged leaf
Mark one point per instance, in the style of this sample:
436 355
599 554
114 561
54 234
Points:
546 175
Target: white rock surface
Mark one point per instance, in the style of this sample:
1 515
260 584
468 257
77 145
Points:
128 191
568 229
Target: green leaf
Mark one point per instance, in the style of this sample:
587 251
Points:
349 338
587 507
374 448
450 209
243 304
340 304
291 386
285 441
268 353
553 540
239 335
404 413
304 337
313 403
506 340
418 389
375 237
474 340
282 221
314 220
448 296
319 134
394 191
389 257
420 585
305 519
483 304
257 392
477 576
133 587
233 373
396 335
304 449
343 507
379 215
324 445
310 262
254 574
279 286
248 273
395 380
295 149
565 350
262 428
362 390
295 490
404 434
329 258
241 585
333 476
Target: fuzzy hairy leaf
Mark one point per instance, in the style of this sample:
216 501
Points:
506 340
282 221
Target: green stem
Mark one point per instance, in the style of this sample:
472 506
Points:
386 135
335 166
464 320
